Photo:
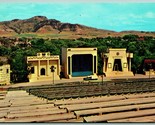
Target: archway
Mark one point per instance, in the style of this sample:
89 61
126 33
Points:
42 71
117 65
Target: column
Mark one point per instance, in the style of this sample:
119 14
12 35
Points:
39 68
104 66
70 65
129 64
47 68
93 63
58 67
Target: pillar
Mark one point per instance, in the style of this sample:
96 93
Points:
129 64
104 66
70 65
39 68
58 67
47 68
93 63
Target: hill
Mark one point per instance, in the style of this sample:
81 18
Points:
41 26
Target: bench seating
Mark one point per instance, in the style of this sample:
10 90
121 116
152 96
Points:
36 113
31 107
115 116
44 118
31 110
113 109
88 100
76 107
137 119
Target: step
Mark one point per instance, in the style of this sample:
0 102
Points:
38 113
80 120
31 110
31 107
115 116
108 104
137 119
44 118
113 109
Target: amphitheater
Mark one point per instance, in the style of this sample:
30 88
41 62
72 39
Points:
112 101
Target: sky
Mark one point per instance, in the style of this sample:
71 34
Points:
117 16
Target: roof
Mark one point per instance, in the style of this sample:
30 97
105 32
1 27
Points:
149 60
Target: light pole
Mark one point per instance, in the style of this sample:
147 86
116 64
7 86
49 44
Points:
53 70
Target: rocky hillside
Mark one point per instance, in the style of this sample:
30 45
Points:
40 26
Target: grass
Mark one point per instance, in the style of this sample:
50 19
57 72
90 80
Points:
26 35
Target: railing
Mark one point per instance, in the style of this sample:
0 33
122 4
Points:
41 58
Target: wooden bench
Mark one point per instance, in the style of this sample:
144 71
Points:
38 113
28 103
2 120
69 121
44 118
143 95
137 119
101 111
31 110
107 104
115 116
3 114
5 104
31 107
88 100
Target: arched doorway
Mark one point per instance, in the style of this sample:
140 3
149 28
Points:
42 71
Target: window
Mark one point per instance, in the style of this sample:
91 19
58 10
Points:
109 65
125 65
1 69
38 54
32 70
42 71
43 54
7 70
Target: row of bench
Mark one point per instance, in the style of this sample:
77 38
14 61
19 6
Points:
116 108
19 106
90 90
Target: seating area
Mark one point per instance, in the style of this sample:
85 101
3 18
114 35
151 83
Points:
112 108
80 89
19 106
112 101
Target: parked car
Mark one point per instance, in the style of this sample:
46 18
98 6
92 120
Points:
90 78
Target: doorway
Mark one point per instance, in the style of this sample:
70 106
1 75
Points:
42 71
117 65
82 65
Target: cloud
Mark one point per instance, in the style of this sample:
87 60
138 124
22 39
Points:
113 16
